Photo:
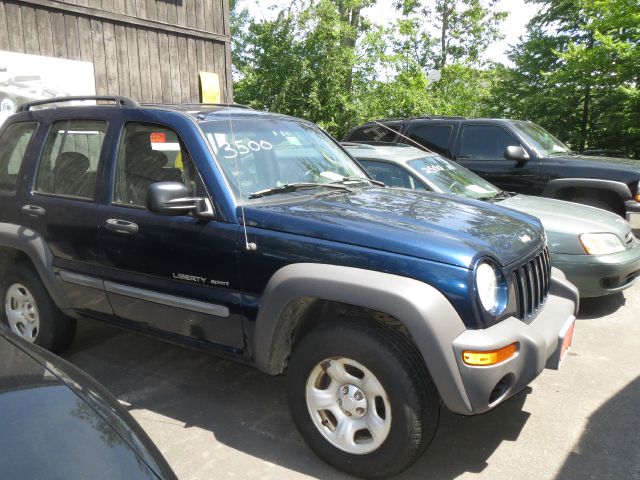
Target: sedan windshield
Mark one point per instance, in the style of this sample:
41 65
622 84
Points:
447 177
545 144
260 156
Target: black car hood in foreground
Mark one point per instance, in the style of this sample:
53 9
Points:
56 422
435 227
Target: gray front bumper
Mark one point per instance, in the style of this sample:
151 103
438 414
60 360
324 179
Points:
538 342
597 275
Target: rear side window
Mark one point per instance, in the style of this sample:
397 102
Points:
375 133
13 146
434 137
148 154
69 164
391 175
485 142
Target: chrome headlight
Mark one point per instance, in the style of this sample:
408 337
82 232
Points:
490 287
601 243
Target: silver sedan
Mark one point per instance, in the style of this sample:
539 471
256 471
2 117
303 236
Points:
595 249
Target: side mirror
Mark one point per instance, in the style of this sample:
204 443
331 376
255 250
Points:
173 198
517 153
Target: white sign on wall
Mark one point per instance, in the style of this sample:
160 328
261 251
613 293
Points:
25 78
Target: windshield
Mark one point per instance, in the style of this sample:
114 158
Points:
450 178
542 141
268 153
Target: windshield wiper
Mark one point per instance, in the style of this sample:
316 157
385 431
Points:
359 179
292 187
501 195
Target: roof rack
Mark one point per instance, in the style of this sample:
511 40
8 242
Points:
386 120
119 101
444 117
196 104
435 117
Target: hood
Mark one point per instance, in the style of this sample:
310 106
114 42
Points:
604 162
46 420
564 221
424 225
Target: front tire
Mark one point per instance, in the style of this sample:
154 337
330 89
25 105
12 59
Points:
362 398
30 313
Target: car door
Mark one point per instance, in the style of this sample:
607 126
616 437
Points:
481 148
175 275
60 207
15 145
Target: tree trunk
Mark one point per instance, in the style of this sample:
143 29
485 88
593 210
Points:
351 17
585 117
586 105
443 33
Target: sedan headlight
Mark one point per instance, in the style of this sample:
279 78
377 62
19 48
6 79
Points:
491 288
601 243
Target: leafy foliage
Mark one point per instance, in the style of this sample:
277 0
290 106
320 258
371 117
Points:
578 74
443 31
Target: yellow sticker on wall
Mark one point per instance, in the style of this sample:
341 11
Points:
209 87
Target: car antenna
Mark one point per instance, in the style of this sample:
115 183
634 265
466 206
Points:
249 246
422 147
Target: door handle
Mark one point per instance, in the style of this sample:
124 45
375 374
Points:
33 210
121 226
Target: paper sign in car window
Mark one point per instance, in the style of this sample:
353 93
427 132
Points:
477 189
160 144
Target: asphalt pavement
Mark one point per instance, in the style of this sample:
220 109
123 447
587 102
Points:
215 419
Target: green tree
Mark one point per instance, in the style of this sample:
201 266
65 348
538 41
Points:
448 31
303 63
325 61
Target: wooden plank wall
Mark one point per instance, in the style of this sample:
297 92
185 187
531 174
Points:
150 50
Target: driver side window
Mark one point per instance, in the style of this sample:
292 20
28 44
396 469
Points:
391 175
485 142
148 154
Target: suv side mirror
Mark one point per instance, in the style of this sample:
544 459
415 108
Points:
517 153
173 198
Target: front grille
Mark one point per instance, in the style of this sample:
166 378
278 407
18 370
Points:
531 282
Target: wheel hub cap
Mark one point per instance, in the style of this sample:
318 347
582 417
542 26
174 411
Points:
348 405
22 312
352 401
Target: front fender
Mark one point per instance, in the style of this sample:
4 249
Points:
619 188
425 312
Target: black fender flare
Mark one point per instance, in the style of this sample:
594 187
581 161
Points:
621 189
28 241
428 316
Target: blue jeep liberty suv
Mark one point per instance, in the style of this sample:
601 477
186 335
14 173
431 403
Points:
257 237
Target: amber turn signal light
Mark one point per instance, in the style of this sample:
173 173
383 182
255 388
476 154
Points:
489 357
637 197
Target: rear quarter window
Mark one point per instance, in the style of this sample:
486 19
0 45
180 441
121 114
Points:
375 133
434 137
13 146
69 164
